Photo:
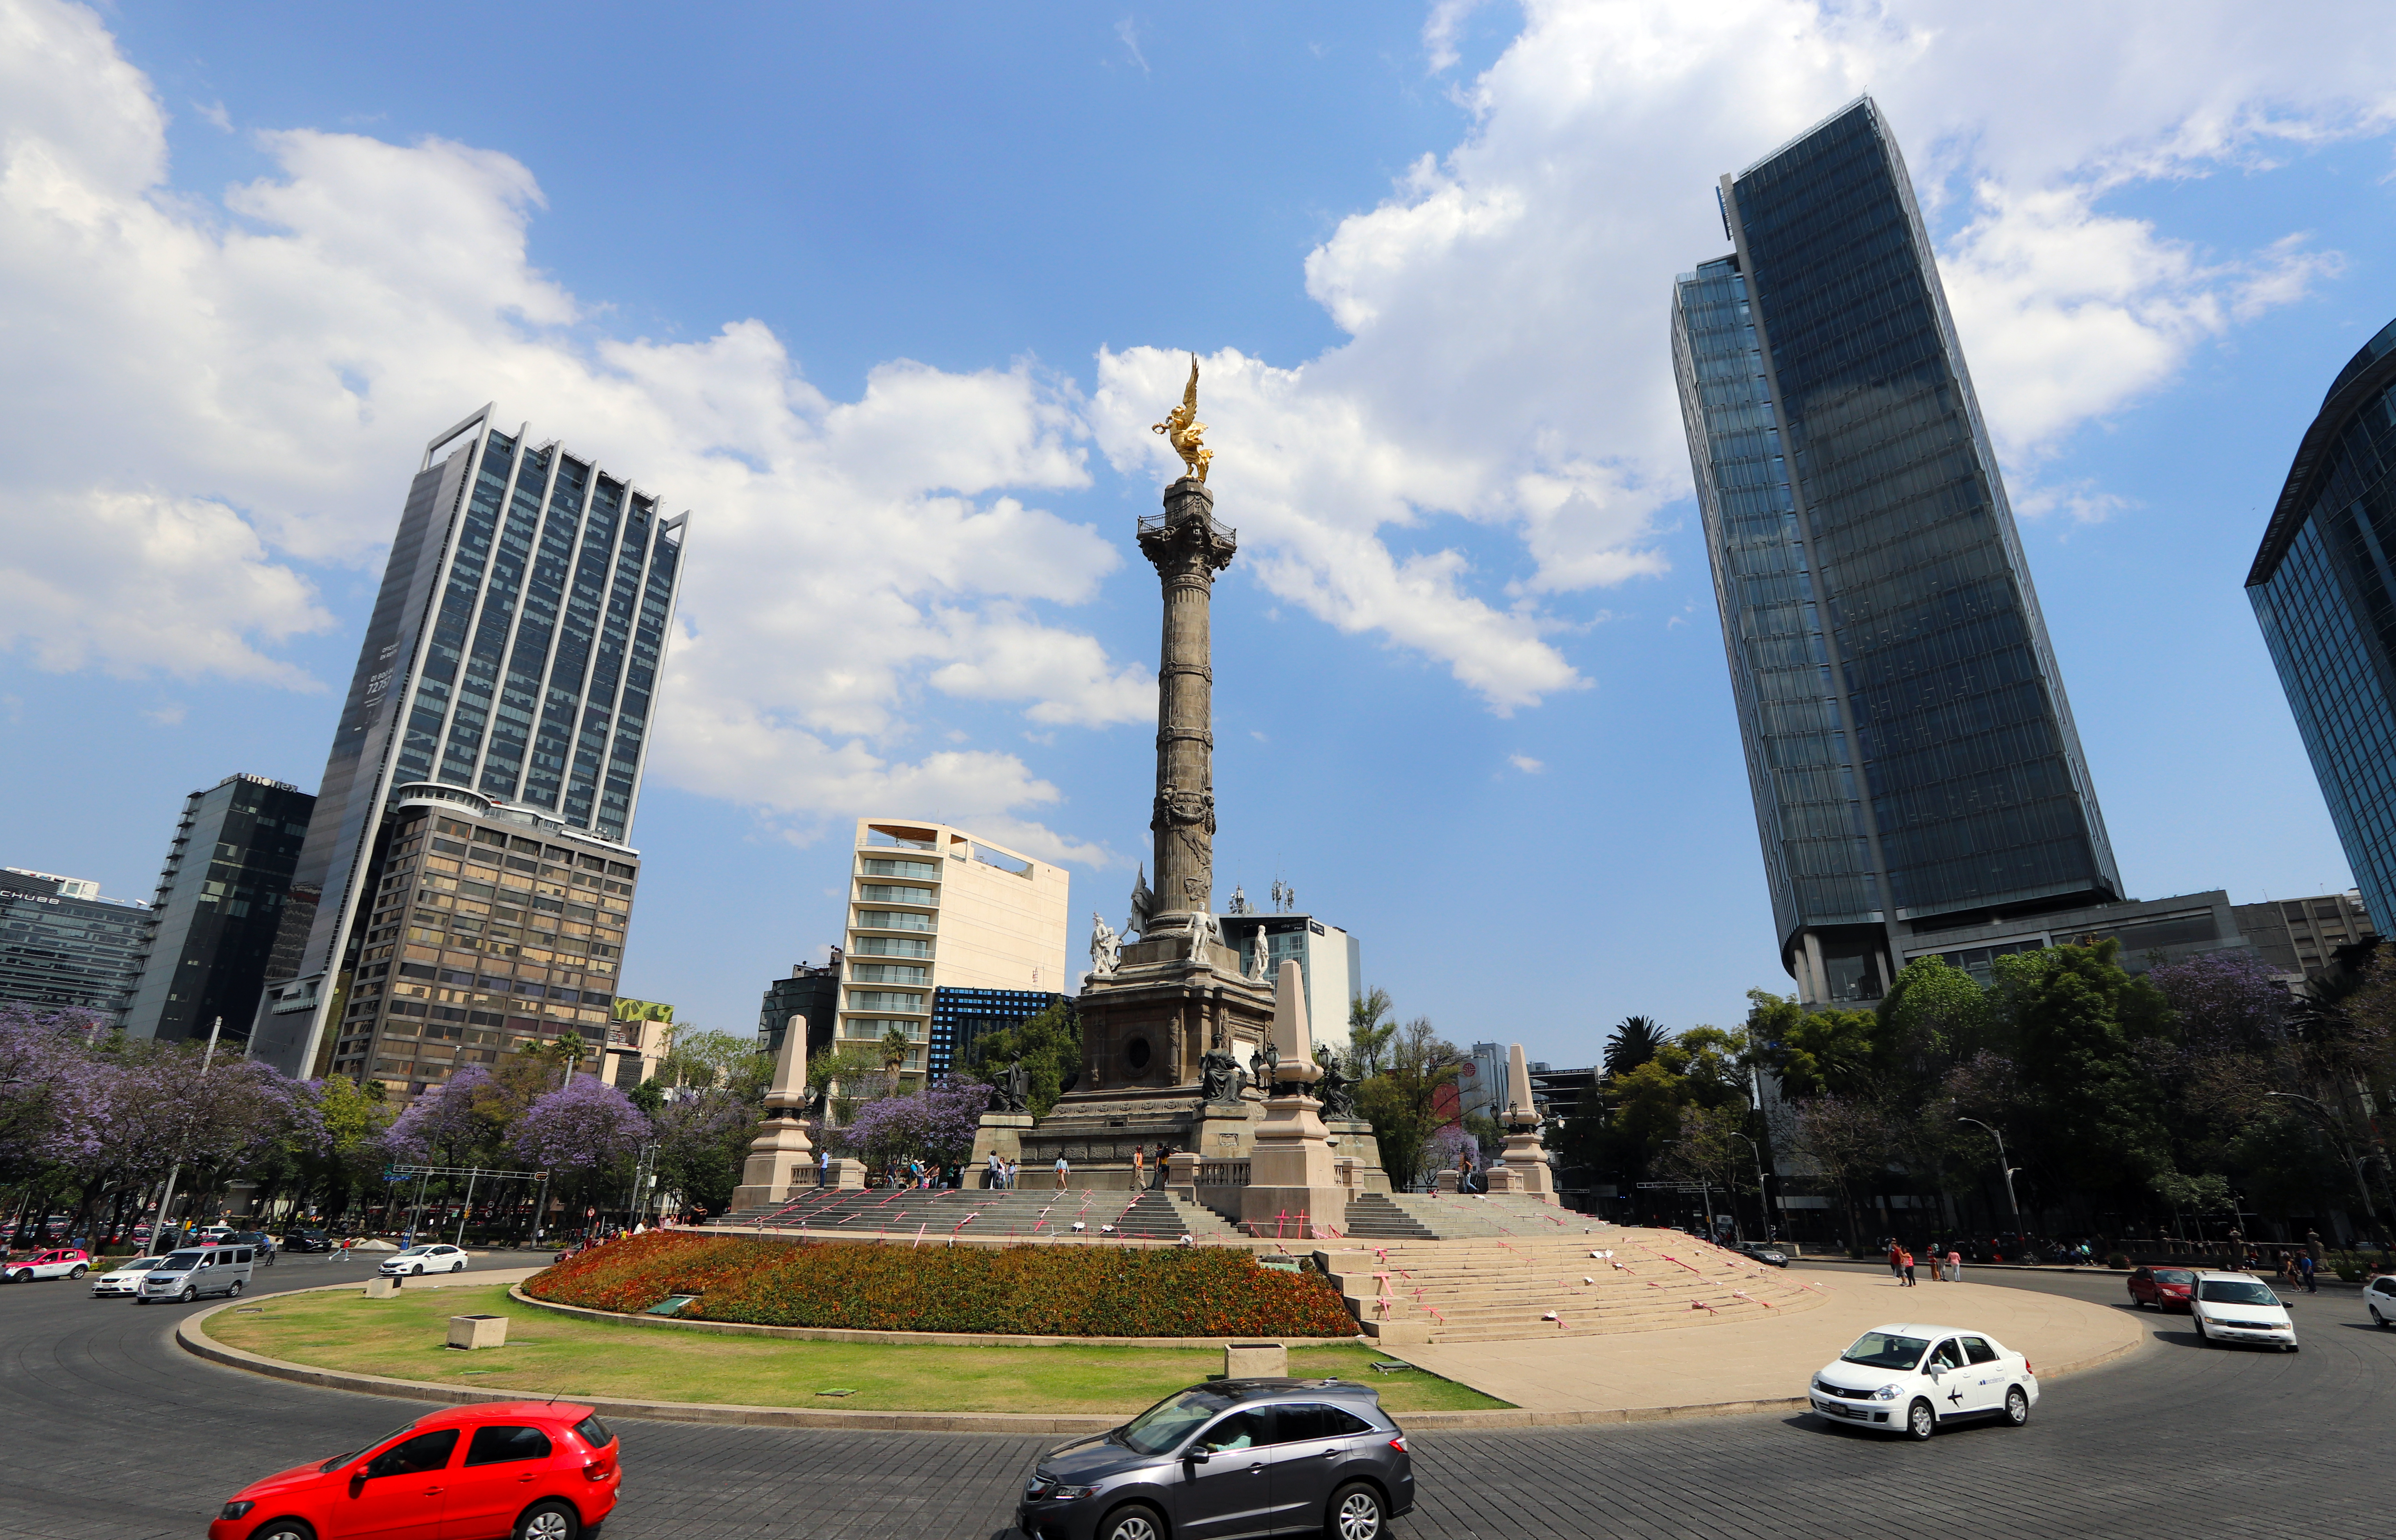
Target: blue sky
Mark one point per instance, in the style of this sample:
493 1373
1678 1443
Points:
887 299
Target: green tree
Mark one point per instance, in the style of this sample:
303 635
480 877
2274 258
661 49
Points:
1634 1042
1050 1046
1402 1102
2078 1018
1814 1052
1370 1027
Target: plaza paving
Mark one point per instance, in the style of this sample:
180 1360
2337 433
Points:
112 1432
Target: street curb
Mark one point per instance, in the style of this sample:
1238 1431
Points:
901 1339
2052 1270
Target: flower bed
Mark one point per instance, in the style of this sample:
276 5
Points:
1029 1291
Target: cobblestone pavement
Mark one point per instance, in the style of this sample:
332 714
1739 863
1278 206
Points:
110 1431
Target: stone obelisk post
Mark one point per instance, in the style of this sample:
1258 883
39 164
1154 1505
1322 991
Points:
1526 1159
781 1150
1293 1183
1188 548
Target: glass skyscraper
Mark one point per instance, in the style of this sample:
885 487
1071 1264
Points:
2323 587
513 655
1912 757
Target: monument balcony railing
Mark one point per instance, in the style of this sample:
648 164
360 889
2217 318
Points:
1223 1174
1156 524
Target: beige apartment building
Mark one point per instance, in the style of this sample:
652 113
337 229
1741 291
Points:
935 908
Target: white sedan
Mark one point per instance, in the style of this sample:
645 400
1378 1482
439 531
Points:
125 1278
2379 1298
1915 1380
2233 1307
424 1259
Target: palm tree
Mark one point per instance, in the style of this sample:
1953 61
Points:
1634 1042
894 1050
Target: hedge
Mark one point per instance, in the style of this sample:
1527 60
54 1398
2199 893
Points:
1032 1291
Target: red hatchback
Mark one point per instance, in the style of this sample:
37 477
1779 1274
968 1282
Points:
2162 1288
532 1471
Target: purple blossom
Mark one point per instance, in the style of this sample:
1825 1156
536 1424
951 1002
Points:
586 1124
442 1121
2224 1000
936 1125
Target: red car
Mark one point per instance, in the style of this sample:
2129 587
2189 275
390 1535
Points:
533 1470
2162 1288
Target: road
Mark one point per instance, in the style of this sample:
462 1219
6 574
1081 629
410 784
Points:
112 1432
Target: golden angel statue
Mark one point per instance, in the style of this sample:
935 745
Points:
1184 432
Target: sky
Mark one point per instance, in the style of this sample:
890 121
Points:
887 297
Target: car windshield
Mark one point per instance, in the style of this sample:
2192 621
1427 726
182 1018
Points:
139 1264
2235 1291
417 1251
1169 1421
1885 1351
2174 1275
182 1261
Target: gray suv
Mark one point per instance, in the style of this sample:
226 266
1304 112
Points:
1226 1459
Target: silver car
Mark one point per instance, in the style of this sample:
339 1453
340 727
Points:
1227 1459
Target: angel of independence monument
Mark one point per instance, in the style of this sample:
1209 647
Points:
1179 1047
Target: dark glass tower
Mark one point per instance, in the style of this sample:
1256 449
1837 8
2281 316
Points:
1911 754
513 655
2323 587
219 907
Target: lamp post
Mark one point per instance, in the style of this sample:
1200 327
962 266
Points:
1763 1197
2011 1202
2329 1126
158 1234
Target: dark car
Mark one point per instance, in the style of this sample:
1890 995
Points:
259 1240
307 1241
1227 1459
1755 1250
2161 1288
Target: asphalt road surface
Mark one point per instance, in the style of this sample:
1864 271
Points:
109 1431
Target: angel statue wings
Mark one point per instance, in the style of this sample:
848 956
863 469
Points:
1184 432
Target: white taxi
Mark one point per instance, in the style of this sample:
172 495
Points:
125 1278
1914 1380
2235 1307
424 1259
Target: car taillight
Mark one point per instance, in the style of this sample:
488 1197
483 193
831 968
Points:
2028 1368
595 1470
1399 1443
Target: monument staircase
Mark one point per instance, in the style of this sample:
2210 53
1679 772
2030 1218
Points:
1372 1217
984 1214
1609 1281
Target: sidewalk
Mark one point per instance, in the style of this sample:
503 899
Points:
1760 1365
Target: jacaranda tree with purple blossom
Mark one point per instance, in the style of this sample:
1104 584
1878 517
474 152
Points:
936 1126
583 1135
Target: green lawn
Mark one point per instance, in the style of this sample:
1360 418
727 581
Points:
405 1339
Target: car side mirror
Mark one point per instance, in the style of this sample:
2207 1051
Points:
1199 1457
357 1481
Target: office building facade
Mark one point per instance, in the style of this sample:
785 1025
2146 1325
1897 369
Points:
64 947
219 909
963 1017
1909 747
512 658
812 992
1329 960
2323 587
2300 937
490 930
933 907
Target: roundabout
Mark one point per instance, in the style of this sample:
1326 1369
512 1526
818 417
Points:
2255 1444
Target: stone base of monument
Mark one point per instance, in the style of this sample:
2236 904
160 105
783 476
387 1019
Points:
1526 1171
1356 1154
1001 1134
781 1164
1293 1188
845 1174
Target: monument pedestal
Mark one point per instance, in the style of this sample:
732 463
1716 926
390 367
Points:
1293 1186
1001 1134
1356 1154
782 1160
1526 1171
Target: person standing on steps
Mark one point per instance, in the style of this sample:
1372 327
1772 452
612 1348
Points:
1063 1171
1140 1168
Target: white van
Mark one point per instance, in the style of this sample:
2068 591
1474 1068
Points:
186 1275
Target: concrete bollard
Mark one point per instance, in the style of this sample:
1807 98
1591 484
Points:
1256 1360
380 1287
478 1330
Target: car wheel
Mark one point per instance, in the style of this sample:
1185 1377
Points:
283 1528
1132 1521
79 1270
2016 1406
420 1270
1356 1513
2377 1319
188 1295
1919 1421
233 1292
2203 1338
548 1522
459 1267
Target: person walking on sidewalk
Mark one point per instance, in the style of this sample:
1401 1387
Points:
2309 1272
1904 1266
1954 1264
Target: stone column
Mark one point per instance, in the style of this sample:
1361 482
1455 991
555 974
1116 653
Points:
781 1155
1188 548
1526 1159
1294 1187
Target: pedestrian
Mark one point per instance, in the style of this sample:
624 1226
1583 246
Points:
996 1176
1014 1173
823 1167
1954 1264
1464 1172
1140 1168
2309 1271
1905 1259
1063 1171
1930 1253
1896 1265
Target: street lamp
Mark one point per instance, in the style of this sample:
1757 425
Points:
2011 1202
2329 1126
1763 1198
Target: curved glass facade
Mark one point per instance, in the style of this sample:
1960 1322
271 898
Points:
2324 592
1909 742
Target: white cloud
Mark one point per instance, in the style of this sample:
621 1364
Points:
1526 764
